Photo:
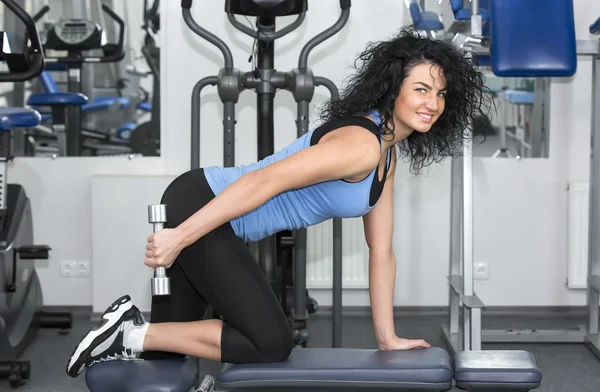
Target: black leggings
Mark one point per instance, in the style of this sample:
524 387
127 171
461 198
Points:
219 270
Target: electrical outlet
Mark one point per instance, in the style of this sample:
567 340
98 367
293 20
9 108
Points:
481 270
67 268
74 268
83 268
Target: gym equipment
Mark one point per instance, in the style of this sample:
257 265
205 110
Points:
335 369
427 21
157 216
538 52
76 36
265 80
457 19
172 375
21 299
146 138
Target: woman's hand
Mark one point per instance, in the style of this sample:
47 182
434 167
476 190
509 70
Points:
163 248
397 343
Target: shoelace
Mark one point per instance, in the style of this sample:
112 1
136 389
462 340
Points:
124 355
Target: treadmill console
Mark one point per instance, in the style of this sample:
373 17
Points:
74 35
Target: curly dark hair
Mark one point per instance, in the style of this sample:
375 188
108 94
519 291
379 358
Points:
382 68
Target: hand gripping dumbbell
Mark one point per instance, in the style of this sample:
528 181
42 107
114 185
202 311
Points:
157 215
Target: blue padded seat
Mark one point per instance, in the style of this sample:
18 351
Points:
100 103
342 369
173 375
15 117
465 14
429 21
533 38
425 20
496 370
595 27
52 99
461 13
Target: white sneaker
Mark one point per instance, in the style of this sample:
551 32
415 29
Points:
106 341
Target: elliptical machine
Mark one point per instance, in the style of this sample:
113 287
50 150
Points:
21 299
265 80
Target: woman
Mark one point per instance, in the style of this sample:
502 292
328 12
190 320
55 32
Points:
410 98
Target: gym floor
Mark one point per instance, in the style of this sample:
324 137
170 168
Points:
565 367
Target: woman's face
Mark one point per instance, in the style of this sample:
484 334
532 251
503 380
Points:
421 100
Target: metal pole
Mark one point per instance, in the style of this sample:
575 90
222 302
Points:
265 95
195 143
337 288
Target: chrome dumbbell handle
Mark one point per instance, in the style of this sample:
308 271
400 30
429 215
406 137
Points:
157 216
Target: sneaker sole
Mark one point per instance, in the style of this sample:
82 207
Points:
110 320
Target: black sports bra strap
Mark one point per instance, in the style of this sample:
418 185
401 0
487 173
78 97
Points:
344 122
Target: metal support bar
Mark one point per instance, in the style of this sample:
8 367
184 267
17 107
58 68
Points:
537 129
337 245
195 153
337 283
592 338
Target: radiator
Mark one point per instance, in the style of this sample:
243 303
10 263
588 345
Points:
578 218
355 255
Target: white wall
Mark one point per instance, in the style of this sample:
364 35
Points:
520 207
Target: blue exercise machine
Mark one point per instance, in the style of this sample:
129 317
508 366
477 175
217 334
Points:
328 369
21 297
523 47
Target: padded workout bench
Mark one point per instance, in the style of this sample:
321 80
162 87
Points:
331 369
15 117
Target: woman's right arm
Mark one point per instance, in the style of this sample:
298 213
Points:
348 152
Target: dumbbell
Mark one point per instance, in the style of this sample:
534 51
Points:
157 215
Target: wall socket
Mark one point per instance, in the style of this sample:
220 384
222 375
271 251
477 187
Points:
74 269
481 270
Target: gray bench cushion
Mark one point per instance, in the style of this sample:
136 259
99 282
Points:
325 368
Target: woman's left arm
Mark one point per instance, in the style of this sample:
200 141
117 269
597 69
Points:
379 227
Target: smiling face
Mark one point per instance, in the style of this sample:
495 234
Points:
421 100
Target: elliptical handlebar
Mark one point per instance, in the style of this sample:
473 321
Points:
186 6
41 13
325 35
150 13
36 65
345 4
271 35
203 33
119 53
